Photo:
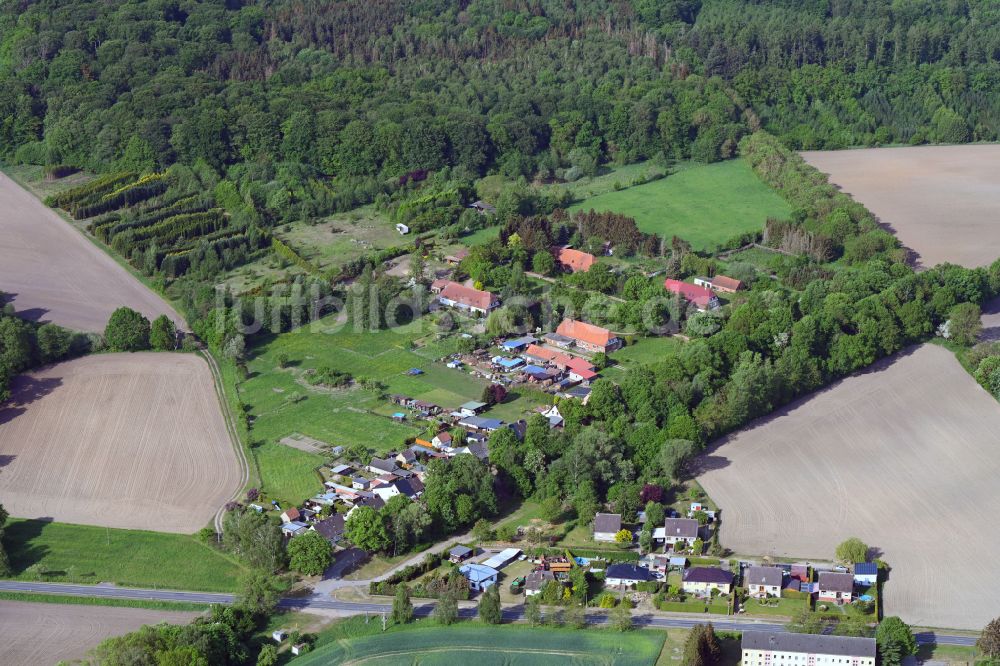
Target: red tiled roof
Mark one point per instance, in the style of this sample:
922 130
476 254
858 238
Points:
581 330
575 260
724 282
579 365
700 296
468 296
541 352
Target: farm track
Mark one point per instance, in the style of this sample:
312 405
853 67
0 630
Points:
234 437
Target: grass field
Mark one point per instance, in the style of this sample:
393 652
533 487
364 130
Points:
645 351
505 645
704 204
84 554
341 238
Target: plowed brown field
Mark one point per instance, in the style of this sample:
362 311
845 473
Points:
45 634
943 202
905 456
119 440
55 274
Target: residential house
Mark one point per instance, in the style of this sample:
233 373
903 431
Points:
288 515
553 415
459 554
581 370
472 408
762 648
581 393
677 532
721 283
520 428
455 295
625 575
762 582
480 424
361 483
836 587
442 439
379 466
503 558
371 499
557 340
574 261
589 337
480 576
478 449
702 298
293 528
406 457
700 581
865 574
606 526
332 528
536 581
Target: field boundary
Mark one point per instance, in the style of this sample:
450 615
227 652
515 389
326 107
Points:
231 429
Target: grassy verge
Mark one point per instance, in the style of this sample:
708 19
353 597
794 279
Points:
98 601
134 558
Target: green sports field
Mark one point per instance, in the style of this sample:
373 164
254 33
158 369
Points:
505 645
703 204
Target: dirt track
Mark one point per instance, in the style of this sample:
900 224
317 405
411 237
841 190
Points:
905 457
56 274
119 440
943 202
41 634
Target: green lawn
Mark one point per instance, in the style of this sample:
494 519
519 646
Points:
47 598
785 607
84 554
343 237
645 351
504 645
481 236
704 204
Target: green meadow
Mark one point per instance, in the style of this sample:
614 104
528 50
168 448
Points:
703 204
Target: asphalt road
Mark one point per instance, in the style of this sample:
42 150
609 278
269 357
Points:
321 602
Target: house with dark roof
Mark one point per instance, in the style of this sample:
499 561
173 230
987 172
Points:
703 299
332 528
483 208
761 648
700 581
480 424
865 574
606 526
588 336
762 582
625 575
459 554
574 261
380 466
836 587
677 531
536 581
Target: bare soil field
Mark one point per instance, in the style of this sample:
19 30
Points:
133 441
904 456
56 274
44 634
943 202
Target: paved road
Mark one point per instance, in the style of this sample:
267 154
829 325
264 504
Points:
510 613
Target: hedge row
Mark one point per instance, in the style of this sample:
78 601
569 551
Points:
169 230
124 197
106 231
94 189
286 252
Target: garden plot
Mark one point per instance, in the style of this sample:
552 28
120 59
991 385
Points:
904 456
